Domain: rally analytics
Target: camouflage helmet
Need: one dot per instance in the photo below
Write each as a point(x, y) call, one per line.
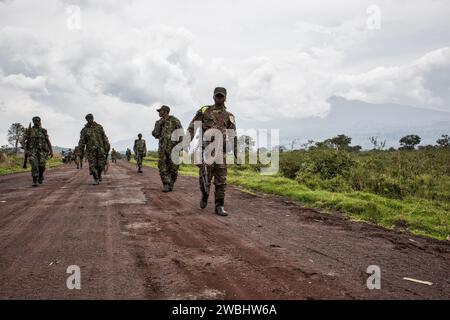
point(36, 118)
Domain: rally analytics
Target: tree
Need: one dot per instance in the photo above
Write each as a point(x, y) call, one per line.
point(15, 135)
point(444, 141)
point(377, 144)
point(340, 142)
point(409, 142)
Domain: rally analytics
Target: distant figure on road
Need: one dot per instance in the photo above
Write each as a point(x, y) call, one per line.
point(140, 151)
point(163, 130)
point(78, 159)
point(113, 156)
point(94, 143)
point(37, 149)
point(128, 154)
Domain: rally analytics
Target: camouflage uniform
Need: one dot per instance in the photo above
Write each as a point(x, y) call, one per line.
point(128, 154)
point(94, 140)
point(114, 156)
point(37, 143)
point(218, 118)
point(78, 159)
point(140, 150)
point(163, 131)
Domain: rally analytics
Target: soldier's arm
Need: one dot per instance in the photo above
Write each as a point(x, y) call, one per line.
point(49, 144)
point(105, 141)
point(232, 126)
point(145, 148)
point(157, 130)
point(191, 127)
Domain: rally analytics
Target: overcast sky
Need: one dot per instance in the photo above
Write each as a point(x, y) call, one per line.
point(277, 59)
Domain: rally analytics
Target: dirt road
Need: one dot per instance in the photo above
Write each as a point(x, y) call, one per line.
point(130, 241)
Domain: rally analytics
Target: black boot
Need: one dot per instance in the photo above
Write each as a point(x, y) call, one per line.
point(140, 169)
point(41, 175)
point(100, 176)
point(220, 210)
point(166, 188)
point(95, 176)
point(204, 200)
point(35, 182)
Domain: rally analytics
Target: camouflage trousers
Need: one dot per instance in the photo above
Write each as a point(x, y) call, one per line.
point(37, 161)
point(79, 161)
point(168, 170)
point(139, 159)
point(219, 172)
point(97, 161)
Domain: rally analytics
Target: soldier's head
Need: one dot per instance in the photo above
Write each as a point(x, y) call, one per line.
point(140, 135)
point(220, 96)
point(163, 111)
point(89, 118)
point(36, 121)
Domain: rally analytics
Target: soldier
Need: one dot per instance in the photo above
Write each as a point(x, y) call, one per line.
point(78, 159)
point(140, 151)
point(128, 154)
point(163, 130)
point(217, 117)
point(95, 144)
point(69, 156)
point(37, 149)
point(114, 156)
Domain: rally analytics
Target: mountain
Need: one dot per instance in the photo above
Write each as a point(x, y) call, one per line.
point(357, 119)
point(361, 120)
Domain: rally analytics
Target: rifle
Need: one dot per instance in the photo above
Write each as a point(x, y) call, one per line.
point(25, 158)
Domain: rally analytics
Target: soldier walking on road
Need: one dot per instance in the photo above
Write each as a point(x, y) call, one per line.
point(37, 149)
point(113, 156)
point(140, 151)
point(128, 154)
point(78, 159)
point(215, 117)
point(163, 130)
point(94, 143)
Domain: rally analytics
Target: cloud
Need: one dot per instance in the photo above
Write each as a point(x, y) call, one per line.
point(130, 57)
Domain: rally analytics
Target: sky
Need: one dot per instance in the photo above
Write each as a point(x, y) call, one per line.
point(121, 59)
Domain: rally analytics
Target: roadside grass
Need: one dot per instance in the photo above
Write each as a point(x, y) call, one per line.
point(418, 216)
point(13, 164)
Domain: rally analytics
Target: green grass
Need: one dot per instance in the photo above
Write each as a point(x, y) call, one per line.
point(13, 164)
point(420, 216)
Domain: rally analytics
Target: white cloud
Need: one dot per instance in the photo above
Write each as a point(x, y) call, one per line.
point(276, 60)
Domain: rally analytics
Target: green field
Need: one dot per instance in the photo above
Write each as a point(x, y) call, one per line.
point(13, 164)
point(404, 189)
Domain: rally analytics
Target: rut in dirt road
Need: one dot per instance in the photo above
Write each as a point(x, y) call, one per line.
point(133, 241)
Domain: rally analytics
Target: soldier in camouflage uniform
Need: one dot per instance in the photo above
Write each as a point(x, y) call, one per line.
point(95, 144)
point(128, 154)
point(163, 130)
point(37, 148)
point(140, 151)
point(113, 156)
point(78, 159)
point(69, 156)
point(217, 117)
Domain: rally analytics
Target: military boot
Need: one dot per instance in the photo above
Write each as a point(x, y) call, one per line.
point(35, 182)
point(220, 210)
point(204, 200)
point(166, 188)
point(95, 176)
point(100, 176)
point(140, 169)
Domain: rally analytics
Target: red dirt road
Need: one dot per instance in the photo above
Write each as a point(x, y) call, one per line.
point(133, 241)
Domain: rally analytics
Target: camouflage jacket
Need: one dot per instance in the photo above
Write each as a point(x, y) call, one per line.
point(139, 146)
point(93, 138)
point(163, 131)
point(217, 118)
point(35, 140)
